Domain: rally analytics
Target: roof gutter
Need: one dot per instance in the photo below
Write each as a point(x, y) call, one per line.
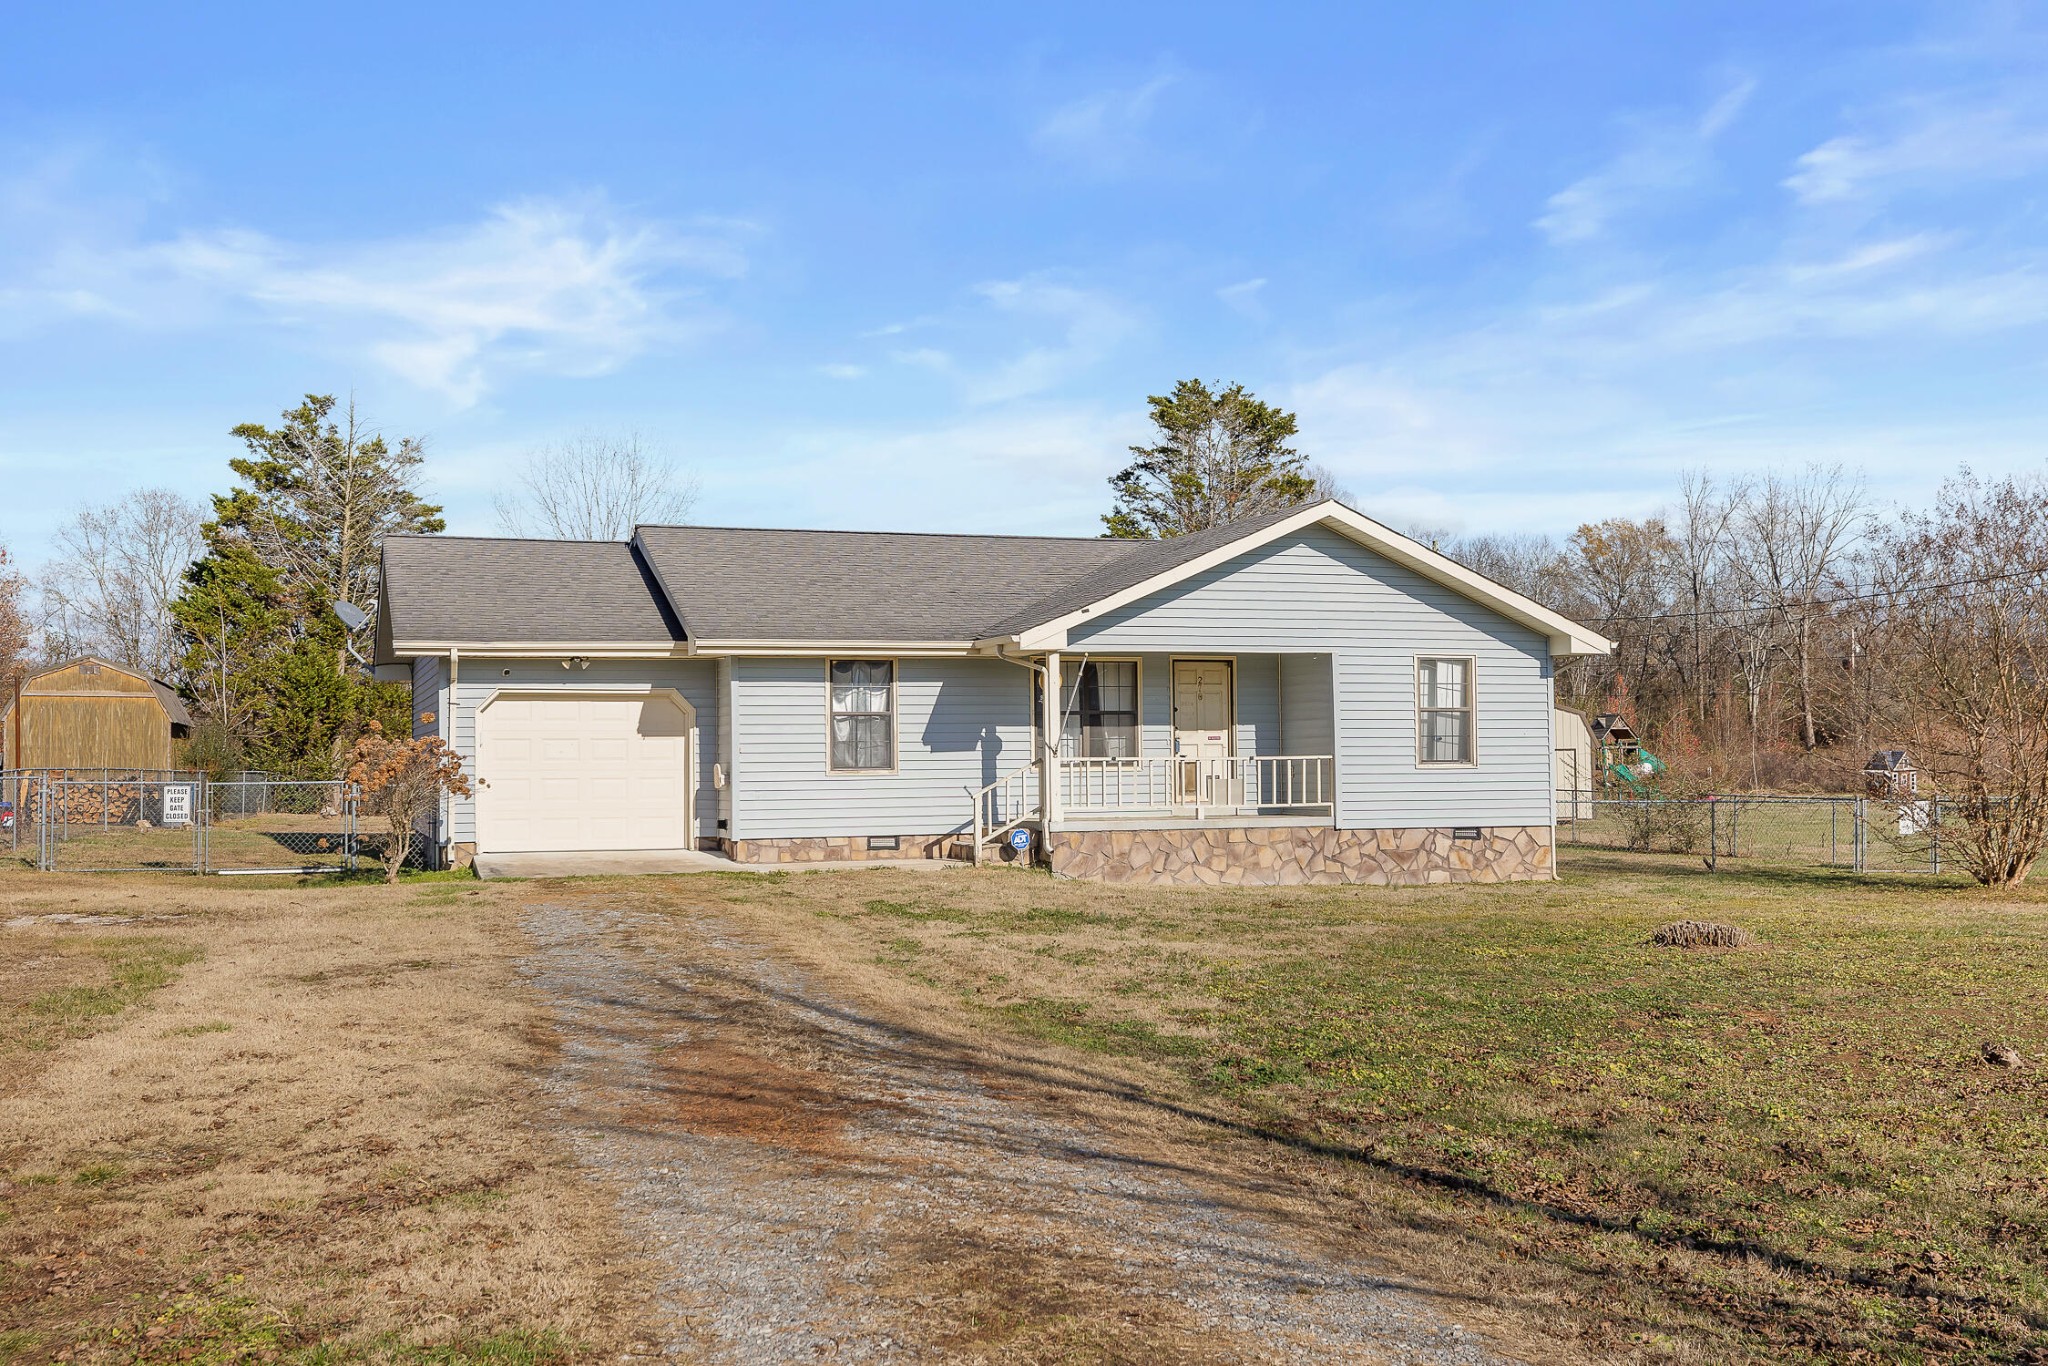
point(529, 649)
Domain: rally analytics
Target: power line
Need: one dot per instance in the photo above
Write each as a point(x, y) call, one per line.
point(1683, 613)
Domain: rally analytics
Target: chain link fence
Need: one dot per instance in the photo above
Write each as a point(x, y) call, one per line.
point(131, 821)
point(1853, 834)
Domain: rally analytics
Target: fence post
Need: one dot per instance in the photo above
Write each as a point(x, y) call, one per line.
point(1934, 831)
point(1713, 833)
point(1862, 840)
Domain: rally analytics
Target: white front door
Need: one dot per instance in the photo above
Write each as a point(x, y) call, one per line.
point(1204, 730)
point(584, 771)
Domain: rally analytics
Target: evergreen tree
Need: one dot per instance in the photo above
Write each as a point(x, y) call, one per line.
point(266, 655)
point(1220, 457)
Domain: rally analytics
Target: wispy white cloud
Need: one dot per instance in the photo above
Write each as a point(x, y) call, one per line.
point(842, 370)
point(1616, 387)
point(920, 473)
point(1244, 297)
point(1661, 156)
point(1863, 257)
point(1089, 324)
point(1107, 131)
point(536, 286)
point(1928, 142)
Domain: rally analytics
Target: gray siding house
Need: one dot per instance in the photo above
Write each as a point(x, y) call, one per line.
point(1304, 697)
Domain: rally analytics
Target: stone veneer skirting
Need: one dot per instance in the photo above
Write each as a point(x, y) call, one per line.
point(1287, 856)
point(846, 849)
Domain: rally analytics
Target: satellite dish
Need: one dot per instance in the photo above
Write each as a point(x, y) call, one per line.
point(352, 616)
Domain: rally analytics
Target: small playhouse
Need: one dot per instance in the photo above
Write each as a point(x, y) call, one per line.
point(1624, 763)
point(1891, 775)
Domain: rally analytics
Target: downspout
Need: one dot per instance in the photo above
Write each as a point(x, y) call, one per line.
point(446, 833)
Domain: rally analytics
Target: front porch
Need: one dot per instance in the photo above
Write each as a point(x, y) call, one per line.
point(1167, 792)
point(1171, 741)
point(1254, 820)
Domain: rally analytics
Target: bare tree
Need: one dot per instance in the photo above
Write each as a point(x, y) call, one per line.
point(1534, 566)
point(13, 621)
point(1702, 547)
point(596, 488)
point(117, 570)
point(1792, 538)
point(1624, 569)
point(1963, 638)
point(1326, 484)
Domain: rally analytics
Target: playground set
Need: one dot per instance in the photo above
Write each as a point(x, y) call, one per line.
point(1624, 763)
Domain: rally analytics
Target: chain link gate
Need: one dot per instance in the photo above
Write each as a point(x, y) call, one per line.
point(271, 825)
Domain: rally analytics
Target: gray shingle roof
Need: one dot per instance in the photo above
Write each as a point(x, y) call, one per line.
point(738, 583)
point(759, 584)
point(478, 588)
point(174, 705)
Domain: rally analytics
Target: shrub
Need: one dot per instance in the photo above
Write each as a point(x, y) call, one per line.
point(403, 780)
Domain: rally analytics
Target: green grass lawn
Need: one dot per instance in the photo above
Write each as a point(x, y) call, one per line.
point(1794, 1152)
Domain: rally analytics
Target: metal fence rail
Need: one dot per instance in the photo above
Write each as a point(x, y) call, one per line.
point(131, 821)
point(1855, 834)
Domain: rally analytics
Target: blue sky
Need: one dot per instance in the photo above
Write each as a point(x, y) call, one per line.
point(917, 267)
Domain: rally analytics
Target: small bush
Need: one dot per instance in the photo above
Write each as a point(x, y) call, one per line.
point(1664, 825)
point(1702, 934)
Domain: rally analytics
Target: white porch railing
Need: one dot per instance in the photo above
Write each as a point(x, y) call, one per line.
point(1296, 782)
point(1162, 785)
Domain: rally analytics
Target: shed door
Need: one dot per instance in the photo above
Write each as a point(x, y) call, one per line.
point(584, 772)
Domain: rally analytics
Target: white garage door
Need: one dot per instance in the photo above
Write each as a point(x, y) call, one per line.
point(583, 772)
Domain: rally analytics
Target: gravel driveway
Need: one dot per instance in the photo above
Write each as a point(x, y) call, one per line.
point(816, 1187)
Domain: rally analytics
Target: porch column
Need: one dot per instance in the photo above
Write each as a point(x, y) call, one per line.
point(1049, 727)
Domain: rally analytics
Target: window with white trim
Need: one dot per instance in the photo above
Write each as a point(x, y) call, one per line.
point(1443, 711)
point(1099, 710)
point(863, 734)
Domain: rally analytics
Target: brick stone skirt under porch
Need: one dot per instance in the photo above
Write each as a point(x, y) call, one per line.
point(846, 849)
point(1290, 855)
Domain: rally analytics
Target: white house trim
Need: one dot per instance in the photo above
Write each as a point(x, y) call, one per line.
point(1566, 637)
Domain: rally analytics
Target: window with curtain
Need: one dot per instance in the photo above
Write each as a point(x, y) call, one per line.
point(1100, 710)
point(1443, 711)
point(863, 714)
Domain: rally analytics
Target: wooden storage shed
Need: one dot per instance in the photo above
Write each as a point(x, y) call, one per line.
point(90, 714)
point(1571, 738)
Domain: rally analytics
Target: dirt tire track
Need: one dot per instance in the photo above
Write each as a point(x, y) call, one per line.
point(814, 1188)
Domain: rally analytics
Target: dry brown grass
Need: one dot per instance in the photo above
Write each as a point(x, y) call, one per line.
point(321, 1127)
